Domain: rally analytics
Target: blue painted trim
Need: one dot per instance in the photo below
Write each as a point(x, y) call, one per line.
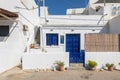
point(39, 9)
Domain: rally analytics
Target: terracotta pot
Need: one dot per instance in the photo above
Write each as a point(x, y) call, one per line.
point(110, 68)
point(61, 68)
point(32, 46)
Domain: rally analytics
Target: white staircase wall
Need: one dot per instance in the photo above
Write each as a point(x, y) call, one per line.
point(44, 60)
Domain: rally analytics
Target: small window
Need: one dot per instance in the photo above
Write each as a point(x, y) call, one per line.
point(51, 39)
point(114, 11)
point(4, 30)
point(62, 39)
point(119, 10)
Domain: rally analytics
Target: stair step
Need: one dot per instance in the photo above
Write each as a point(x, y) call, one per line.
point(76, 66)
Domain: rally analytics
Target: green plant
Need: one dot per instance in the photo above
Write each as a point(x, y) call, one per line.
point(109, 65)
point(92, 64)
point(60, 63)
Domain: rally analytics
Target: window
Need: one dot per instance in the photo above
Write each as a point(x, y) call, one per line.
point(114, 10)
point(62, 39)
point(51, 39)
point(119, 10)
point(4, 30)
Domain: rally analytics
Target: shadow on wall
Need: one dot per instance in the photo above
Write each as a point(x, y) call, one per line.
point(105, 29)
point(37, 35)
point(2, 39)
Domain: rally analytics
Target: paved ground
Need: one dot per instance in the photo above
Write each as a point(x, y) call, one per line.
point(18, 74)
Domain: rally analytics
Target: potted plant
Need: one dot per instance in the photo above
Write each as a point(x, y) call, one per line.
point(92, 65)
point(110, 66)
point(32, 45)
point(60, 65)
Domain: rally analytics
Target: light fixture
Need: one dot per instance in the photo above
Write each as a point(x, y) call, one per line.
point(93, 30)
point(72, 30)
point(51, 29)
point(46, 20)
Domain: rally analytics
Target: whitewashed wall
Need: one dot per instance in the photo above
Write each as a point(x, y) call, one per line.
point(43, 60)
point(9, 59)
point(103, 57)
point(73, 20)
point(11, 5)
point(62, 47)
point(12, 47)
point(115, 25)
point(11, 51)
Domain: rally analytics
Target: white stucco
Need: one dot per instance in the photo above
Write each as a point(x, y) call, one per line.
point(11, 50)
point(11, 5)
point(44, 60)
point(102, 58)
point(13, 46)
point(62, 47)
point(74, 20)
point(115, 25)
point(92, 1)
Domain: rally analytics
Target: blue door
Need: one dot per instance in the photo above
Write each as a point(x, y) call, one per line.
point(73, 47)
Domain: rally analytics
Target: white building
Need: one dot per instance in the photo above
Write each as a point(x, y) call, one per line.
point(56, 37)
point(14, 16)
point(63, 35)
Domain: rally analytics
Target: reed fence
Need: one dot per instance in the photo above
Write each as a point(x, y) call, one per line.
point(102, 43)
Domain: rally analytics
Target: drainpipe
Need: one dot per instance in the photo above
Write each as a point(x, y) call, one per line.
point(104, 3)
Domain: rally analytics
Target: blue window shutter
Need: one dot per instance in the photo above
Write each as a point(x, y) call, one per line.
point(51, 39)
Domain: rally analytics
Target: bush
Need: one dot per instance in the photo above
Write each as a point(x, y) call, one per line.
point(109, 65)
point(60, 63)
point(92, 64)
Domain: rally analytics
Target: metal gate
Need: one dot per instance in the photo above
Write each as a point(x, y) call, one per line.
point(73, 47)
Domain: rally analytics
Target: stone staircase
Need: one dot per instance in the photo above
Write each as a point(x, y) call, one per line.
point(76, 66)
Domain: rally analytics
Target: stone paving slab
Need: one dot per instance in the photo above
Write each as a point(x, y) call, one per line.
point(18, 74)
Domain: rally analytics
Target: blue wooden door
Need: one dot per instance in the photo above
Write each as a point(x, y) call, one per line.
point(73, 47)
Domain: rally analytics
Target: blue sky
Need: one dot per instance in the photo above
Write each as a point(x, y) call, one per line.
point(58, 7)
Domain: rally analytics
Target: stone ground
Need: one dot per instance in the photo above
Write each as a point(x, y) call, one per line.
point(18, 74)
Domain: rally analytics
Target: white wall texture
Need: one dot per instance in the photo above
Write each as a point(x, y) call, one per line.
point(73, 20)
point(62, 47)
point(103, 57)
point(115, 25)
point(12, 47)
point(11, 5)
point(44, 60)
point(9, 59)
point(11, 51)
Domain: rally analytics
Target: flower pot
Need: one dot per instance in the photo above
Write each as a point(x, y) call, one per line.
point(61, 68)
point(92, 68)
point(32, 46)
point(110, 68)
